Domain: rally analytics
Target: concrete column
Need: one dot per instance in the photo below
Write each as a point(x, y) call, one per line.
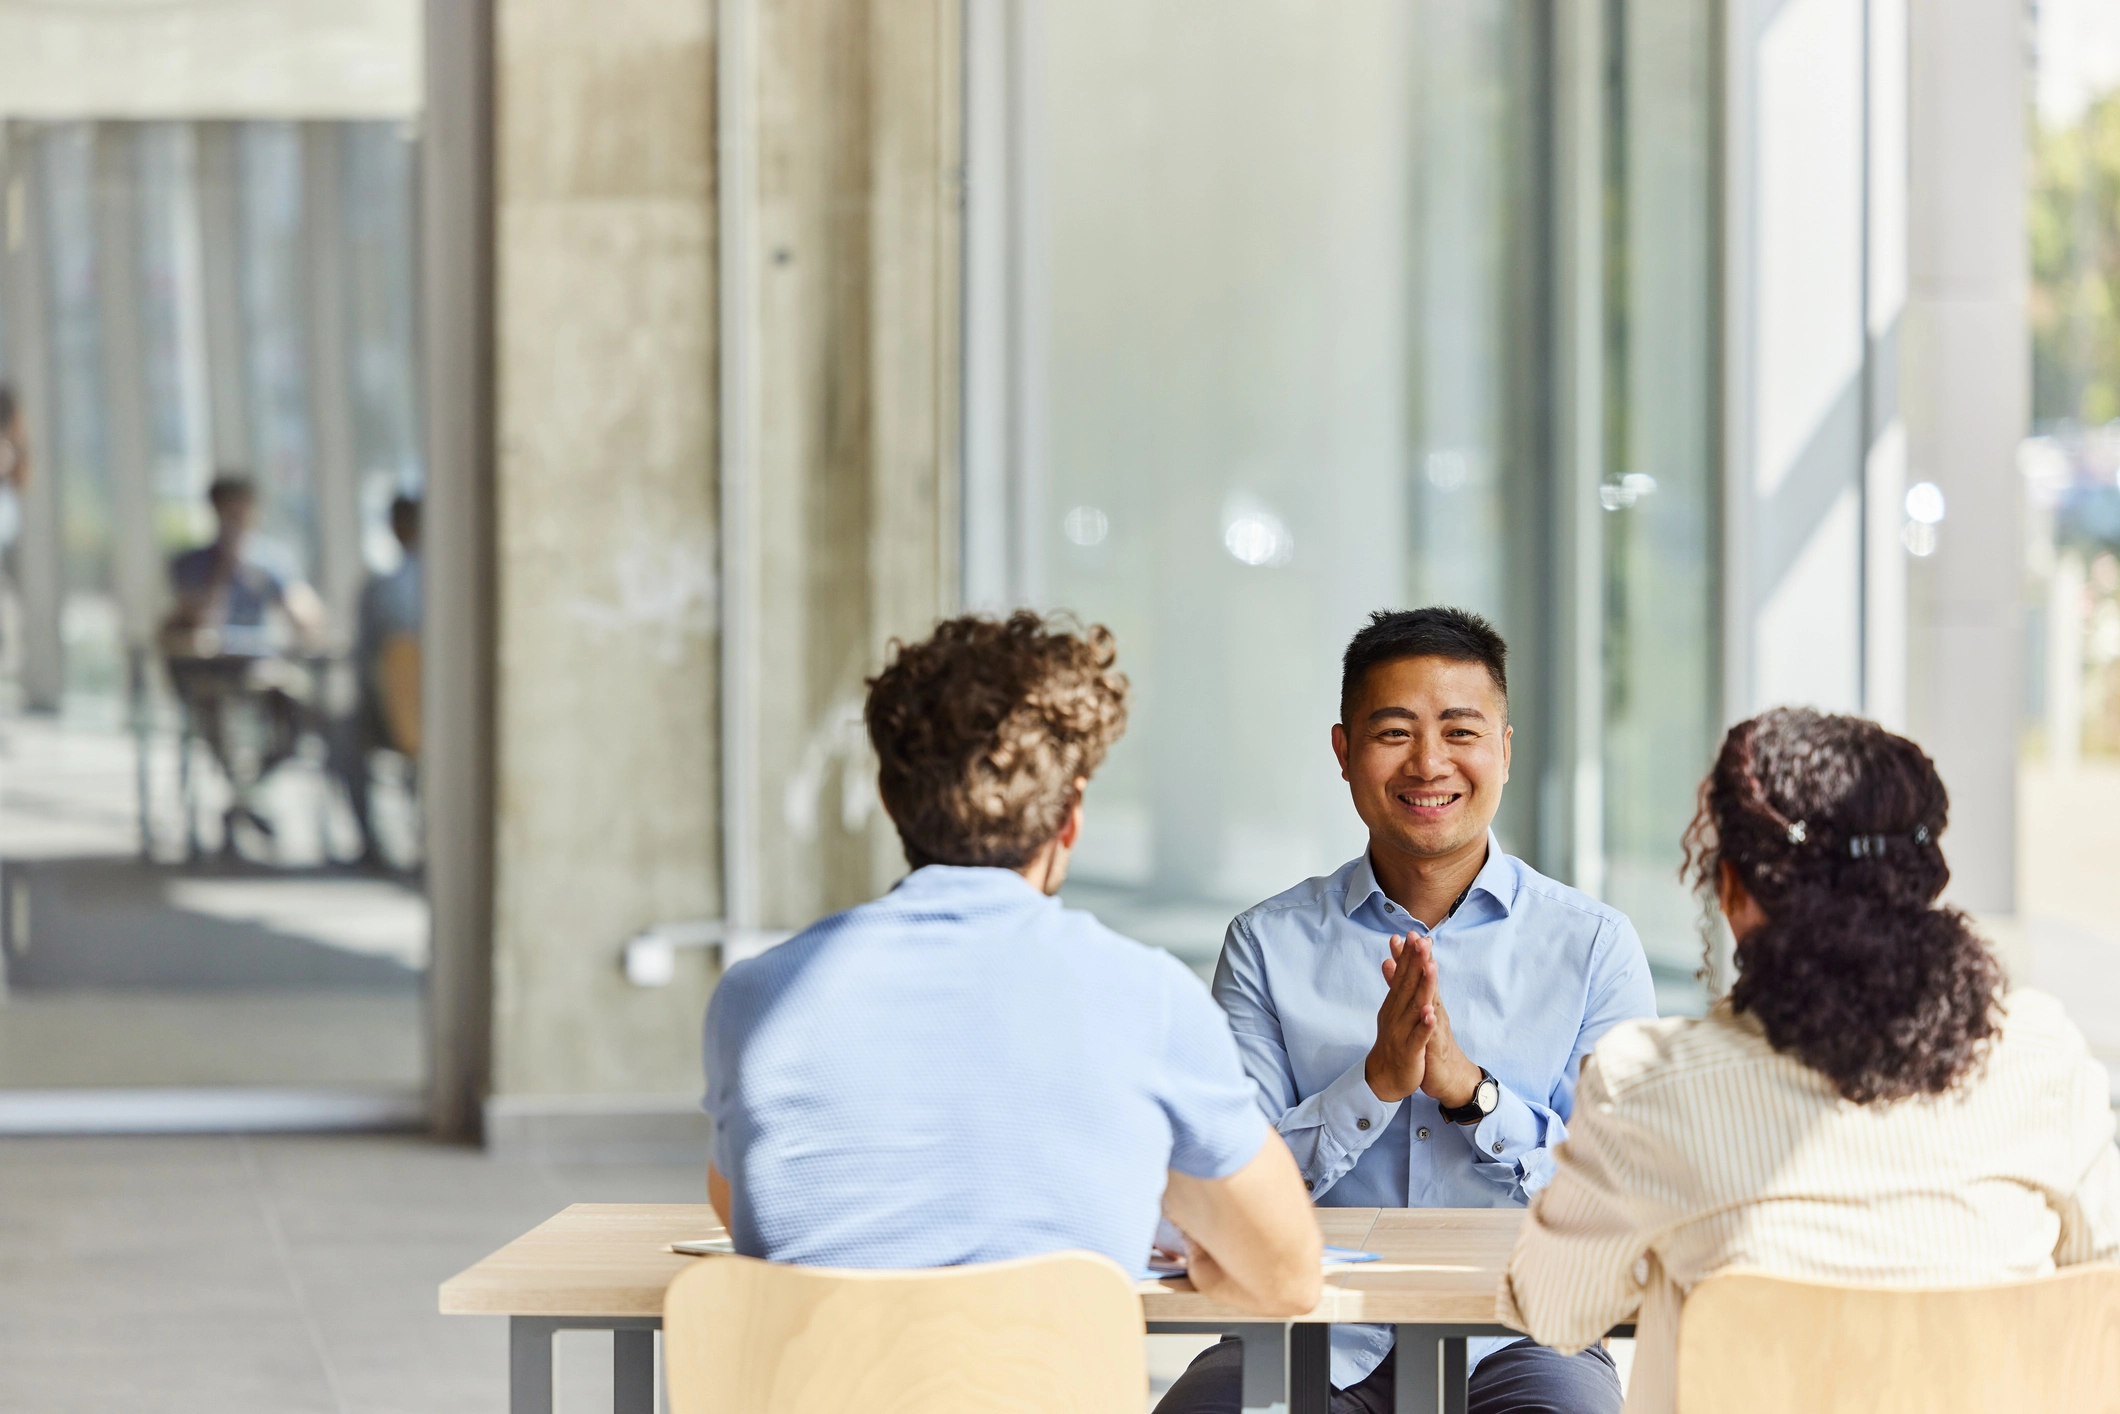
point(457, 639)
point(38, 559)
point(1884, 671)
point(606, 683)
point(1572, 799)
point(1965, 386)
point(1795, 355)
point(137, 568)
point(220, 258)
point(857, 220)
point(330, 383)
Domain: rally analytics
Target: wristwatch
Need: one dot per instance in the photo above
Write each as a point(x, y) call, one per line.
point(1485, 1096)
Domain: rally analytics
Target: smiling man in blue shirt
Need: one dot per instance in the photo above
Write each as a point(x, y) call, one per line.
point(1415, 1021)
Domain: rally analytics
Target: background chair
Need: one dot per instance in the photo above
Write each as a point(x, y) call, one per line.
point(1058, 1334)
point(1750, 1344)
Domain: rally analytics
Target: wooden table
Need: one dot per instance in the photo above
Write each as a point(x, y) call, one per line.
point(602, 1266)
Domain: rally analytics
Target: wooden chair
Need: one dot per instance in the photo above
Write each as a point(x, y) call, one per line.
point(1058, 1334)
point(397, 671)
point(1751, 1344)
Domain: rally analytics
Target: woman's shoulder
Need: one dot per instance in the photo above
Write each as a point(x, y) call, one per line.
point(2034, 1023)
point(1640, 1053)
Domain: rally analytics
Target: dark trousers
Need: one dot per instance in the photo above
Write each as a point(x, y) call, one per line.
point(1524, 1378)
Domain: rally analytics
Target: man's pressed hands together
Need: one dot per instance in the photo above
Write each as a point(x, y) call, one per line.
point(1415, 1049)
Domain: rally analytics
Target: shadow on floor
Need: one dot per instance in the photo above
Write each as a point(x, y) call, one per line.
point(118, 924)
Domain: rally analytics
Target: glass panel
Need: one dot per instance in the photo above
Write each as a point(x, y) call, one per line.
point(1660, 487)
point(1293, 373)
point(2068, 785)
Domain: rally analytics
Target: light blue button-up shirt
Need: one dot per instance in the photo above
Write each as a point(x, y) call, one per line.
point(1532, 973)
point(961, 1071)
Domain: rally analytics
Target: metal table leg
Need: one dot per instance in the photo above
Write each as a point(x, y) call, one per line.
point(632, 1360)
point(633, 1372)
point(1266, 1364)
point(1433, 1369)
point(530, 1364)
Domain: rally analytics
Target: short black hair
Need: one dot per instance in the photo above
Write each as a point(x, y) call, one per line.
point(231, 486)
point(1435, 632)
point(405, 517)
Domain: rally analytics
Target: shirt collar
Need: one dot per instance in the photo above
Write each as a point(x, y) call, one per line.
point(931, 879)
point(1497, 879)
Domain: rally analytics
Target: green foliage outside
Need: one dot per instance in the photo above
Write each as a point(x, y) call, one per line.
point(2075, 297)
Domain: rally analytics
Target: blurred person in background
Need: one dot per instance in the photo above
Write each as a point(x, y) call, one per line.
point(1414, 1021)
point(223, 643)
point(1867, 1106)
point(14, 475)
point(386, 642)
point(14, 467)
point(964, 1070)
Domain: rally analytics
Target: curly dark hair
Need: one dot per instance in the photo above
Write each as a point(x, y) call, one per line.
point(1832, 824)
point(982, 729)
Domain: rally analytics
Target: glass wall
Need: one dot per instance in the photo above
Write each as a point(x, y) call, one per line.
point(188, 897)
point(2069, 775)
point(1658, 497)
point(1287, 282)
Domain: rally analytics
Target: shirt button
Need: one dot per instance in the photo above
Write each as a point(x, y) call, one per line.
point(1497, 1146)
point(1309, 1186)
point(1361, 1124)
point(1422, 1131)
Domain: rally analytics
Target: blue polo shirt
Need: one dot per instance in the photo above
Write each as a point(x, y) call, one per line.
point(965, 1071)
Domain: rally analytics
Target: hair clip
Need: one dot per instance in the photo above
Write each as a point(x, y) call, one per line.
point(1798, 833)
point(1865, 846)
point(1921, 834)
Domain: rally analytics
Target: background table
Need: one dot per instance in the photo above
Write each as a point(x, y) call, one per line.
point(602, 1266)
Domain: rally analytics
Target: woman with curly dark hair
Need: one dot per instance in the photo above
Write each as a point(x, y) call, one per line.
point(1868, 1105)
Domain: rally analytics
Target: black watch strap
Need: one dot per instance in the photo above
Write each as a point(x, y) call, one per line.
point(1472, 1111)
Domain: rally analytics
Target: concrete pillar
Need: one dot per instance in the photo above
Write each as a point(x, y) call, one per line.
point(333, 473)
point(604, 726)
point(220, 259)
point(138, 572)
point(1965, 391)
point(1795, 355)
point(457, 667)
point(857, 280)
point(38, 559)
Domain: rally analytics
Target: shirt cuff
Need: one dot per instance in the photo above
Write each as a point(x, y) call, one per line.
point(1511, 1134)
point(1351, 1114)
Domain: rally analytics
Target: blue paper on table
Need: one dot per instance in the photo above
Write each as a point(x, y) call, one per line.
point(1162, 1265)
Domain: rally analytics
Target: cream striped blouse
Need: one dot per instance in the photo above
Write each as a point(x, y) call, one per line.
point(1695, 1146)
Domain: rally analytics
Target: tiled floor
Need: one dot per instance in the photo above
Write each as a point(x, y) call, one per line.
point(285, 1275)
point(281, 1275)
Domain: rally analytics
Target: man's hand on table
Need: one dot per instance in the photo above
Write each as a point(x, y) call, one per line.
point(1415, 1048)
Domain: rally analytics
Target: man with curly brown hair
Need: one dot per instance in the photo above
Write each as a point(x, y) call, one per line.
point(965, 1071)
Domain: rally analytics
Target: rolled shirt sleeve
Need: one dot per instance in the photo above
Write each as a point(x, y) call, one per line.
point(1515, 1144)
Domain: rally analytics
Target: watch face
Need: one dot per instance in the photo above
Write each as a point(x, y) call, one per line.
point(1488, 1095)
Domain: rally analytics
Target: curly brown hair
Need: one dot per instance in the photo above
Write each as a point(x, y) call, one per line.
point(1832, 823)
point(982, 730)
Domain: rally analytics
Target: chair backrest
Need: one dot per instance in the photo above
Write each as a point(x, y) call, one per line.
point(1057, 1334)
point(397, 671)
point(1753, 1344)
